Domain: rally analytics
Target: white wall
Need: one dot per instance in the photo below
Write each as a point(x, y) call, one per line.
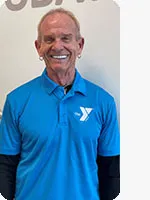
point(99, 21)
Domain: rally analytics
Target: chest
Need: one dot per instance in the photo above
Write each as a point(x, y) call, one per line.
point(51, 119)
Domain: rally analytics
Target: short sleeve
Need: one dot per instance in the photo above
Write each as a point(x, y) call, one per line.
point(10, 139)
point(109, 140)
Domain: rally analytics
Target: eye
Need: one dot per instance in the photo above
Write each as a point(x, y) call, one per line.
point(48, 39)
point(66, 39)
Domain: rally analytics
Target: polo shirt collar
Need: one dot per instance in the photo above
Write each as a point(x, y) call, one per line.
point(48, 84)
point(78, 84)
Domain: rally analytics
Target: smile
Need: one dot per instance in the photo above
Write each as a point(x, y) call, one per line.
point(59, 56)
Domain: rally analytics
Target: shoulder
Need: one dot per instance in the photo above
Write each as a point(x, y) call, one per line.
point(20, 95)
point(24, 89)
point(98, 92)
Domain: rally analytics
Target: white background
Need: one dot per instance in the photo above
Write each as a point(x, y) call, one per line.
point(135, 99)
point(100, 59)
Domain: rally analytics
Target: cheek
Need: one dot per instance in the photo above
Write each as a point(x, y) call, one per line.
point(44, 49)
point(73, 54)
point(74, 50)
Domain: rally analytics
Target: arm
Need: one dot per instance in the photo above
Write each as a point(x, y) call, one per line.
point(8, 166)
point(109, 155)
point(10, 142)
point(109, 177)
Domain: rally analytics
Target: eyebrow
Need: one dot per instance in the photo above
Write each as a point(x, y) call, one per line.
point(68, 35)
point(62, 34)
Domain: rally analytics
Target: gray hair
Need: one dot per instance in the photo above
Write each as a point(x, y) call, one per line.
point(63, 11)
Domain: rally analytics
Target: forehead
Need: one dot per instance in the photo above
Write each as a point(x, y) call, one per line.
point(58, 22)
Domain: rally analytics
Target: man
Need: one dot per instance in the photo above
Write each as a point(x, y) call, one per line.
point(59, 137)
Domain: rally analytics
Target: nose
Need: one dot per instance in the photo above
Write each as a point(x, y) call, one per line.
point(57, 45)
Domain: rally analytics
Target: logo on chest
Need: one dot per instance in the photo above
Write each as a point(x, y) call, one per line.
point(84, 114)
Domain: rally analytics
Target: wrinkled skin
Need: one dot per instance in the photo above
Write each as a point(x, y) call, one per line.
point(59, 47)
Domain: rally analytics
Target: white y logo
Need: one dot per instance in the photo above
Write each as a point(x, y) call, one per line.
point(85, 112)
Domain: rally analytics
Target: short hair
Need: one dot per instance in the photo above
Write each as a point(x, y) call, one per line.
point(63, 11)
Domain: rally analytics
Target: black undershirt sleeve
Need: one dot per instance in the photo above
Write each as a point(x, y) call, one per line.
point(8, 167)
point(109, 177)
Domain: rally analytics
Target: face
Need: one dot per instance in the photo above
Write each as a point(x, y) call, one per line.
point(59, 45)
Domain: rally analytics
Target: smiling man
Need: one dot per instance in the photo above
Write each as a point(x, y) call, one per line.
point(59, 136)
point(59, 44)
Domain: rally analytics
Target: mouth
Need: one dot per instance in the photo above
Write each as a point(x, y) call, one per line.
point(59, 57)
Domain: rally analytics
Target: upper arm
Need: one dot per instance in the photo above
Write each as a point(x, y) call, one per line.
point(10, 138)
point(109, 140)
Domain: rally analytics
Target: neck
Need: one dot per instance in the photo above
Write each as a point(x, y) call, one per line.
point(60, 77)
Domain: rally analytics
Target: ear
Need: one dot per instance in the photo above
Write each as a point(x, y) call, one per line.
point(80, 45)
point(38, 46)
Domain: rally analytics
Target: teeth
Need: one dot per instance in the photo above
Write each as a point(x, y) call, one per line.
point(60, 57)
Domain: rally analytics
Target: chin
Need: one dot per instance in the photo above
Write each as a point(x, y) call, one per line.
point(58, 68)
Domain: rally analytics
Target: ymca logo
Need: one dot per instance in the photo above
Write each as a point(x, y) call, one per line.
point(85, 113)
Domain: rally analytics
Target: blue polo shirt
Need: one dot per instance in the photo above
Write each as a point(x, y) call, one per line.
point(59, 137)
